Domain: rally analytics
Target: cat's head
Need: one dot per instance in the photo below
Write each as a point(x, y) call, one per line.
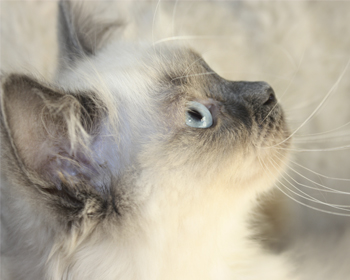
point(125, 118)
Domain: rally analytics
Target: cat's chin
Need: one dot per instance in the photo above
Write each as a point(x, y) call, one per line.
point(233, 177)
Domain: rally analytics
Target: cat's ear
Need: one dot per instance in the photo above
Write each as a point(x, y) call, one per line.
point(52, 134)
point(80, 32)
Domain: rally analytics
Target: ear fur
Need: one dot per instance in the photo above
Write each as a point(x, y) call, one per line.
point(80, 33)
point(51, 132)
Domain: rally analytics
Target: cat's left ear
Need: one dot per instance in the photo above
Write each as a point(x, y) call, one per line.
point(80, 32)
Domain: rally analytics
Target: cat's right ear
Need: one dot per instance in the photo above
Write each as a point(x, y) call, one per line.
point(80, 32)
point(53, 135)
point(55, 145)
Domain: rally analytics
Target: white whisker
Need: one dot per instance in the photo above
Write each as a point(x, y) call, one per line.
point(307, 196)
point(319, 174)
point(173, 18)
point(326, 189)
point(189, 67)
point(326, 132)
point(339, 148)
point(305, 104)
point(286, 89)
point(320, 105)
point(195, 75)
point(312, 207)
point(321, 139)
point(193, 37)
point(154, 20)
point(301, 203)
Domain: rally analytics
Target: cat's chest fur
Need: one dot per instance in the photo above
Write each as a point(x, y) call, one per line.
point(168, 242)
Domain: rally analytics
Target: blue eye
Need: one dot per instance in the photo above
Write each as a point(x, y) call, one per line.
point(198, 115)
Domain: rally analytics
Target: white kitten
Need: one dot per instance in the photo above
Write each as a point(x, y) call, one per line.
point(135, 160)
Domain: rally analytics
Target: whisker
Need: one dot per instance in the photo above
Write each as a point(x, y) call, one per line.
point(294, 75)
point(154, 20)
point(319, 174)
point(194, 75)
point(173, 17)
point(327, 189)
point(290, 57)
point(299, 202)
point(307, 196)
point(329, 131)
point(286, 89)
point(193, 37)
point(189, 67)
point(296, 107)
point(320, 105)
point(339, 148)
point(311, 207)
point(321, 139)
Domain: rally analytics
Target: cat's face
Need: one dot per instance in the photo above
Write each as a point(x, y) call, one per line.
point(153, 90)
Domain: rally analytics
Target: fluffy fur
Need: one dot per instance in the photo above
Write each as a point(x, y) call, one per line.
point(101, 177)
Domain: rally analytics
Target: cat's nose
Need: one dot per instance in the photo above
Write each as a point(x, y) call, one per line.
point(260, 94)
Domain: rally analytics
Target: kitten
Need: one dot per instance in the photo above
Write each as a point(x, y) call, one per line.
point(104, 136)
point(138, 162)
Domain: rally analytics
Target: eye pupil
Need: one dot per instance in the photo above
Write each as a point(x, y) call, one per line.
point(195, 115)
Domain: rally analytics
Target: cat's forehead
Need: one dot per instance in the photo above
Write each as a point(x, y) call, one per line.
point(185, 69)
point(183, 65)
point(149, 68)
point(178, 63)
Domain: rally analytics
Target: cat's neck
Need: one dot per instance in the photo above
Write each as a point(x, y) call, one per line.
point(194, 237)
